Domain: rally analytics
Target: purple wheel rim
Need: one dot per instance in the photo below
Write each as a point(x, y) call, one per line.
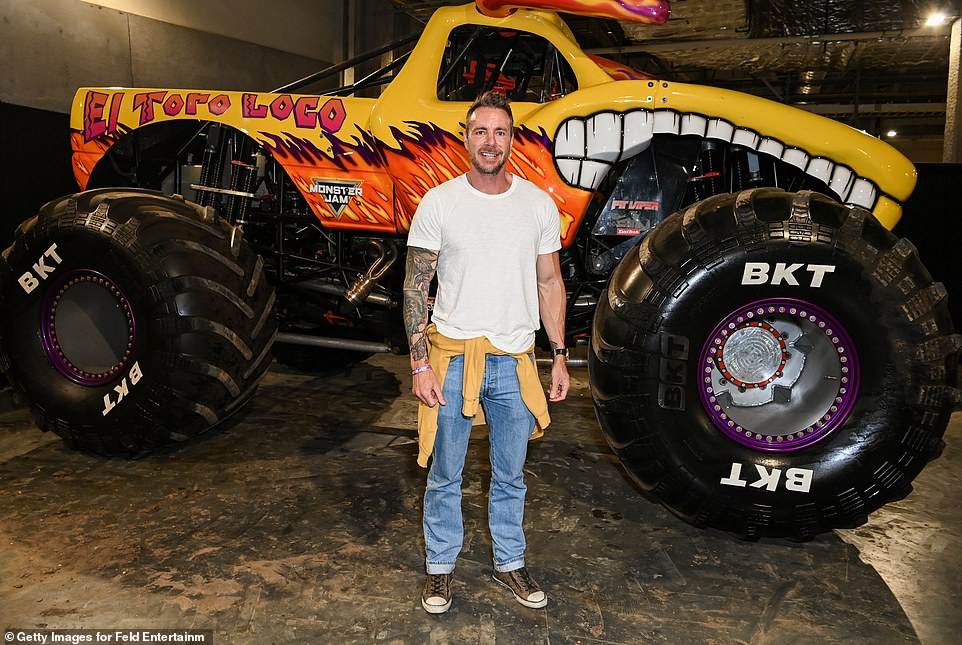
point(778, 375)
point(69, 351)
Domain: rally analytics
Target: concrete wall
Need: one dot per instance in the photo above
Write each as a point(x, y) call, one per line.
point(48, 48)
point(309, 28)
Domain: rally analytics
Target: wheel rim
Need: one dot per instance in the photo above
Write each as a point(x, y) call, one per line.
point(88, 328)
point(778, 375)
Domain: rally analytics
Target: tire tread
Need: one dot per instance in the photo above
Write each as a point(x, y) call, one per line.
point(624, 355)
point(229, 302)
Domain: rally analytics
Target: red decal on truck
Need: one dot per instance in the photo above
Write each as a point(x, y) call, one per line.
point(331, 115)
point(95, 124)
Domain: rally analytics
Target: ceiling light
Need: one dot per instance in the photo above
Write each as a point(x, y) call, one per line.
point(891, 133)
point(935, 19)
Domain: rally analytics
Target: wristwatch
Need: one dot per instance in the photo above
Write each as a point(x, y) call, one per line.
point(561, 351)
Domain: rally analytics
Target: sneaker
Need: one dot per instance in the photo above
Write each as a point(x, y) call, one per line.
point(525, 590)
point(436, 596)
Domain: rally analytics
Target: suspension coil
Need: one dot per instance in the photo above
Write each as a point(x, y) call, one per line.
point(243, 177)
point(212, 168)
point(708, 180)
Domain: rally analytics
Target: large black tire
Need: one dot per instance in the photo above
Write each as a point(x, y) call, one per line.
point(766, 400)
point(132, 320)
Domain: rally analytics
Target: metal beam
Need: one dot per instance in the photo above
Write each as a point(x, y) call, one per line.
point(880, 109)
point(718, 43)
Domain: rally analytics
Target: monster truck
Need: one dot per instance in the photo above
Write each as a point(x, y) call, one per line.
point(768, 360)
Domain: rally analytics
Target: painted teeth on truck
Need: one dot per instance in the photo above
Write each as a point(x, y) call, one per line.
point(587, 148)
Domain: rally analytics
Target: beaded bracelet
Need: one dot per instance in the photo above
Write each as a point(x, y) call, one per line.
point(423, 368)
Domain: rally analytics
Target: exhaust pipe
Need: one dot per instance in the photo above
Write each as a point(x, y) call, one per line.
point(317, 286)
point(364, 285)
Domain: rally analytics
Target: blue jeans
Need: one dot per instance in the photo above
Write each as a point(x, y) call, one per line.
point(510, 425)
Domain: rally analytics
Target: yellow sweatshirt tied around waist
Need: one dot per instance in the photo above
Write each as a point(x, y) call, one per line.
point(441, 350)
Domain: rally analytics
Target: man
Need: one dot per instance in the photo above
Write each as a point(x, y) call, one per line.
point(493, 240)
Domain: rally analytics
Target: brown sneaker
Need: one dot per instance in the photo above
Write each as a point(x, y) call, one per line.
point(436, 596)
point(525, 590)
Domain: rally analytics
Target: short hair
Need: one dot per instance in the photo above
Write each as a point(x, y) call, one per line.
point(492, 99)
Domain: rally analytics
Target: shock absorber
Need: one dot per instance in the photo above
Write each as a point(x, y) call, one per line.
point(746, 169)
point(707, 179)
point(243, 177)
point(212, 169)
point(243, 180)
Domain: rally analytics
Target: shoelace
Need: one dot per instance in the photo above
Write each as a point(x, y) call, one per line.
point(438, 585)
point(524, 580)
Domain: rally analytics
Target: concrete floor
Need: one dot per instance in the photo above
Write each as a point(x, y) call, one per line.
point(299, 522)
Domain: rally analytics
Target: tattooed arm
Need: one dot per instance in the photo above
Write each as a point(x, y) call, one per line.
point(421, 266)
point(420, 269)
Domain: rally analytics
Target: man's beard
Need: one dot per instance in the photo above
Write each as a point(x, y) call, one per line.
point(476, 162)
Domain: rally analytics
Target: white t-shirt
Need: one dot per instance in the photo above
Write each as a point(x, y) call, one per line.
point(487, 249)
